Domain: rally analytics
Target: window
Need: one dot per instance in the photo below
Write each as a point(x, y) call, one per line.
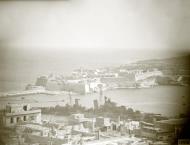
point(12, 120)
point(24, 118)
point(25, 108)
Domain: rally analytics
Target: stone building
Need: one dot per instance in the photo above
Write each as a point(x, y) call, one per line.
point(15, 114)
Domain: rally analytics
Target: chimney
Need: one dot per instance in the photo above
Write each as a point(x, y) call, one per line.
point(95, 104)
point(77, 102)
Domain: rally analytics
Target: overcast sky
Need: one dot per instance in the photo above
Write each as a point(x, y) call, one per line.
point(94, 25)
point(38, 37)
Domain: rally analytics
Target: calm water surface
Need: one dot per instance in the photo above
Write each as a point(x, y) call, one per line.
point(166, 100)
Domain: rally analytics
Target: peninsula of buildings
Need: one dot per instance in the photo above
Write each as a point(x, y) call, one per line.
point(141, 74)
point(137, 75)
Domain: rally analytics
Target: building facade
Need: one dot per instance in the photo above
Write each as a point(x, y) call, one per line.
point(15, 114)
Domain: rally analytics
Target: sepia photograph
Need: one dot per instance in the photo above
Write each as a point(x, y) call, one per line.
point(94, 72)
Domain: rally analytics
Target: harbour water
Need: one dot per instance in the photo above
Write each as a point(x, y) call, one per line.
point(165, 100)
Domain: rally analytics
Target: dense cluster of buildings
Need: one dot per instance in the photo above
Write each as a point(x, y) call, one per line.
point(81, 130)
